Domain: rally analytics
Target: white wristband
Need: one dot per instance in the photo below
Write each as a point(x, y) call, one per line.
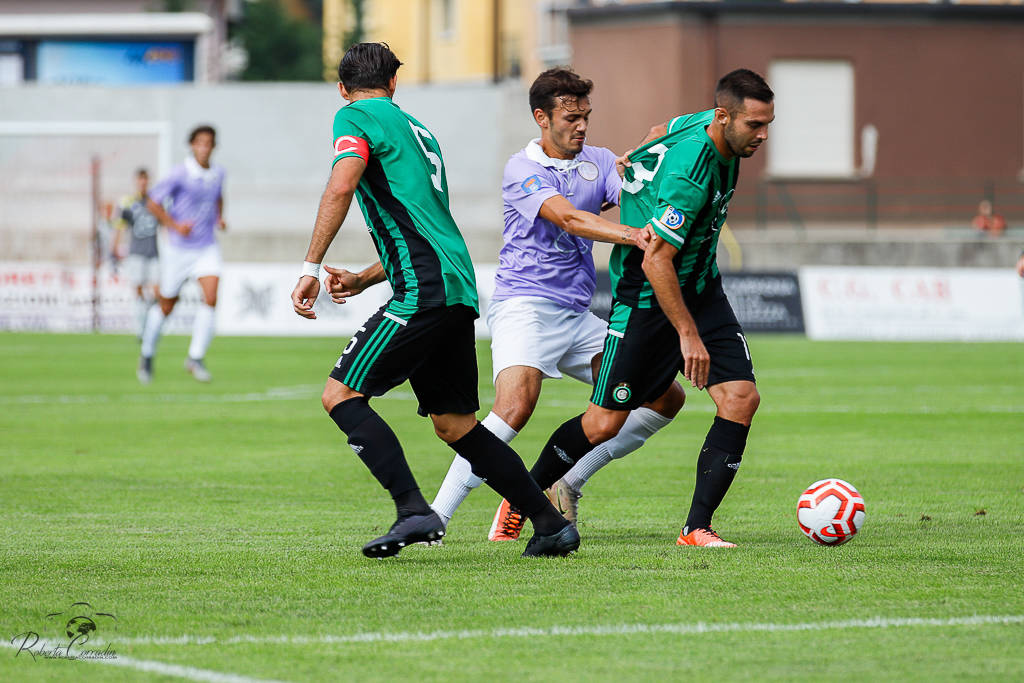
point(311, 269)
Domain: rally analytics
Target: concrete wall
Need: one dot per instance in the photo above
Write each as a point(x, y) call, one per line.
point(275, 142)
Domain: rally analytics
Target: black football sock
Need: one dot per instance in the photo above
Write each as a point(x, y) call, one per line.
point(567, 445)
point(719, 459)
point(495, 462)
point(377, 446)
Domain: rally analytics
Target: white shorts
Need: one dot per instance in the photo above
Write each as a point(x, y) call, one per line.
point(538, 333)
point(140, 271)
point(178, 265)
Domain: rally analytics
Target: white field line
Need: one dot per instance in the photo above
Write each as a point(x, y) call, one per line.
point(309, 392)
point(190, 673)
point(609, 630)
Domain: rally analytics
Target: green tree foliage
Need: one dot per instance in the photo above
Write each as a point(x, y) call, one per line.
point(280, 47)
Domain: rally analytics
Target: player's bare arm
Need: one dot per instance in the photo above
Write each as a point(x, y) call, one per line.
point(165, 219)
point(661, 273)
point(334, 205)
point(221, 224)
point(593, 227)
point(343, 284)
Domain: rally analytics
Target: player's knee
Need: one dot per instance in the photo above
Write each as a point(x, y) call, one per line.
point(741, 402)
point(335, 393)
point(603, 426)
point(517, 414)
point(450, 428)
point(671, 402)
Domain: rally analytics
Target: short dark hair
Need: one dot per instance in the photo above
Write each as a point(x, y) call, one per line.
point(199, 130)
point(140, 172)
point(368, 66)
point(738, 85)
point(554, 83)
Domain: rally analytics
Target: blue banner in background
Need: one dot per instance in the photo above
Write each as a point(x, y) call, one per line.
point(113, 63)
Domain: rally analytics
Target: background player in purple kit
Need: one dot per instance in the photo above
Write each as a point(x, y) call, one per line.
point(194, 189)
point(539, 319)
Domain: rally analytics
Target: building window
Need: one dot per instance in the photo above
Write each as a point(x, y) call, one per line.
point(813, 134)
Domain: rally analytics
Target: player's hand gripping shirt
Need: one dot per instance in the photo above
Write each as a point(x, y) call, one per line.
point(681, 186)
point(538, 257)
point(403, 194)
point(194, 192)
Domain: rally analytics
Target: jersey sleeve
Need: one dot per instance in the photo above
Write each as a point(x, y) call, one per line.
point(525, 188)
point(681, 194)
point(350, 136)
point(168, 187)
point(612, 181)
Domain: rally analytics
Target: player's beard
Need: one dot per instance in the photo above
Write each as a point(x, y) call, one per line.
point(736, 143)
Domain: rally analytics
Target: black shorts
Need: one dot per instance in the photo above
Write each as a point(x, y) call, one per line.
point(435, 349)
point(642, 356)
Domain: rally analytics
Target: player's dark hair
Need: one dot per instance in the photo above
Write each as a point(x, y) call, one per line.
point(368, 66)
point(199, 130)
point(141, 172)
point(554, 83)
point(738, 85)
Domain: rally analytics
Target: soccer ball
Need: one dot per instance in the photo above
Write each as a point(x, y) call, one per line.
point(830, 512)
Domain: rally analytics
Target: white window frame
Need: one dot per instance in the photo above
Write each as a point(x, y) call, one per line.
point(814, 133)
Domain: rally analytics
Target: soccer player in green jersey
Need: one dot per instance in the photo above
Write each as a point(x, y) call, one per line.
point(669, 312)
point(425, 333)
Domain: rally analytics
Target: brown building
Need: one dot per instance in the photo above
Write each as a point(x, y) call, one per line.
point(885, 113)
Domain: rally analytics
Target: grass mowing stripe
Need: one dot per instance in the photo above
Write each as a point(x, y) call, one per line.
point(608, 630)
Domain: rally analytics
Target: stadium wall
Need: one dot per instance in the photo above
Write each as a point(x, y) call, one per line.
point(941, 85)
point(274, 140)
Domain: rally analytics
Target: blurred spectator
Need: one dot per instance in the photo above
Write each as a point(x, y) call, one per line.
point(1020, 265)
point(988, 221)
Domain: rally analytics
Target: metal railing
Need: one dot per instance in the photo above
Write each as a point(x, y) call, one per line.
point(874, 202)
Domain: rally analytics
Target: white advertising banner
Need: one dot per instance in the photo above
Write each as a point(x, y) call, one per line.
point(253, 299)
point(912, 304)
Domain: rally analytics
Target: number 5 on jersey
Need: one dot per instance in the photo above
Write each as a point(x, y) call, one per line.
point(422, 134)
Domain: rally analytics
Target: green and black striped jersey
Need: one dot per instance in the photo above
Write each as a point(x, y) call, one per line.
point(403, 195)
point(680, 185)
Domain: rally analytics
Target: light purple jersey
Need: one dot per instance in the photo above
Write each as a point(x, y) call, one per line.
point(538, 257)
point(193, 191)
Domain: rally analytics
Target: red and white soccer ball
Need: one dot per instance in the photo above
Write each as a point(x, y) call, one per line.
point(830, 511)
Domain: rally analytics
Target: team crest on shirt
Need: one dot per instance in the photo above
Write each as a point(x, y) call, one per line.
point(671, 218)
point(621, 392)
point(531, 184)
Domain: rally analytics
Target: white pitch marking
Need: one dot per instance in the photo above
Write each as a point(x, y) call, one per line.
point(610, 630)
point(188, 672)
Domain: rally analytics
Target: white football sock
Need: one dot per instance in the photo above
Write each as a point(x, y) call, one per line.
point(460, 479)
point(495, 425)
point(202, 332)
point(640, 425)
point(142, 305)
point(151, 331)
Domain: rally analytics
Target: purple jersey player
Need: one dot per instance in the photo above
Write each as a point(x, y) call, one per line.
point(193, 193)
point(539, 317)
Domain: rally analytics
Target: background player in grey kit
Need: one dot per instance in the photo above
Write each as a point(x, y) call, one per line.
point(141, 266)
point(425, 332)
point(670, 313)
point(539, 319)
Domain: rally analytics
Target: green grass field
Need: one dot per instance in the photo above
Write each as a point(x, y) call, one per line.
point(221, 525)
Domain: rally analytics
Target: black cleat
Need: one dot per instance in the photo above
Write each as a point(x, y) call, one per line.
point(556, 545)
point(406, 531)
